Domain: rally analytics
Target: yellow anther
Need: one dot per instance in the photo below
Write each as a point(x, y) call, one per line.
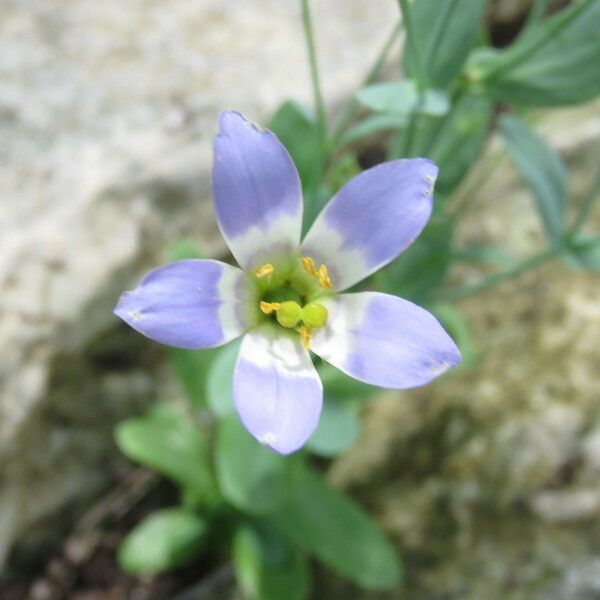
point(269, 307)
point(321, 274)
point(324, 279)
point(309, 266)
point(305, 333)
point(264, 270)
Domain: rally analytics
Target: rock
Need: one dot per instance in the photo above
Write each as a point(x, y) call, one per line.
point(107, 112)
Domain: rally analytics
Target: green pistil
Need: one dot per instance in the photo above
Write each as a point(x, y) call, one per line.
point(289, 314)
point(314, 315)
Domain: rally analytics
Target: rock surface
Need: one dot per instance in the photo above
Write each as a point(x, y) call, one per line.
point(107, 110)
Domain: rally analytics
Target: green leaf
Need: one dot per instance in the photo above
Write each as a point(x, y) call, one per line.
point(169, 443)
point(583, 252)
point(298, 131)
point(164, 540)
point(543, 171)
point(420, 269)
point(344, 168)
point(337, 430)
point(296, 128)
point(252, 478)
point(553, 63)
point(338, 532)
point(403, 98)
point(219, 383)
point(267, 566)
point(191, 368)
point(341, 386)
point(374, 124)
point(183, 249)
point(445, 32)
point(456, 143)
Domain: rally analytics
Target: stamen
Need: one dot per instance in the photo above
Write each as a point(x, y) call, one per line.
point(324, 279)
point(309, 266)
point(322, 274)
point(305, 333)
point(269, 307)
point(264, 270)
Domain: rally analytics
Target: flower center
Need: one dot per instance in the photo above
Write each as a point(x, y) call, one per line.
point(288, 295)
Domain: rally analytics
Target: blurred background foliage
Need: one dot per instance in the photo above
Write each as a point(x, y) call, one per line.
point(249, 522)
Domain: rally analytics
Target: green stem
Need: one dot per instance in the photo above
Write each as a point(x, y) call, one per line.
point(411, 40)
point(411, 130)
point(314, 70)
point(460, 292)
point(437, 34)
point(350, 108)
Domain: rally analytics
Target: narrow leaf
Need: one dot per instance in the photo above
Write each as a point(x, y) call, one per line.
point(403, 98)
point(169, 443)
point(554, 63)
point(338, 532)
point(445, 32)
point(251, 477)
point(337, 430)
point(267, 566)
point(543, 171)
point(219, 383)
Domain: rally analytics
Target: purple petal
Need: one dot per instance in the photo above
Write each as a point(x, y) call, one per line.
point(372, 219)
point(188, 304)
point(276, 389)
point(384, 340)
point(256, 191)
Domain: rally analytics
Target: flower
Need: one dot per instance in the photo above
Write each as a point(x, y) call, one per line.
point(288, 295)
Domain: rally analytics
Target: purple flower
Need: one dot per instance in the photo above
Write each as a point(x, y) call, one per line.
point(287, 297)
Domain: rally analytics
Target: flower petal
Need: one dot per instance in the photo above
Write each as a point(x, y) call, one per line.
point(276, 389)
point(188, 304)
point(384, 340)
point(256, 191)
point(372, 219)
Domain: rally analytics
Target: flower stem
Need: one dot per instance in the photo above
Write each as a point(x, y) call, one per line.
point(447, 8)
point(460, 292)
point(350, 108)
point(314, 70)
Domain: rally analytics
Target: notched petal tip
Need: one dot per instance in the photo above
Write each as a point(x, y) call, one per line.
point(126, 310)
point(270, 442)
point(230, 119)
